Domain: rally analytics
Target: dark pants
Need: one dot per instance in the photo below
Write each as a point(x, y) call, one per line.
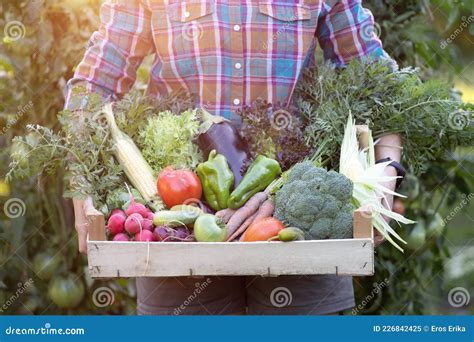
point(284, 295)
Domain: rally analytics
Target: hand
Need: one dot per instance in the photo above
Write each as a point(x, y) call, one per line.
point(388, 146)
point(81, 223)
point(388, 204)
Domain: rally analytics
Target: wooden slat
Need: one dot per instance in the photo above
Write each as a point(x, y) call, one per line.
point(96, 220)
point(362, 226)
point(129, 259)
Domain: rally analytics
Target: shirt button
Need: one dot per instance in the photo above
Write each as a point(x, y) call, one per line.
point(236, 28)
point(236, 102)
point(187, 14)
point(238, 65)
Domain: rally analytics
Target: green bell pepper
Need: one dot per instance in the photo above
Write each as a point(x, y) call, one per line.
point(259, 175)
point(216, 179)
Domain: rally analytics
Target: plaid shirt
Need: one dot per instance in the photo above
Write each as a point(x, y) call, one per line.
point(227, 52)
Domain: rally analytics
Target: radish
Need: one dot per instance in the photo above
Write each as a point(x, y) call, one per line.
point(137, 208)
point(147, 224)
point(116, 223)
point(149, 215)
point(144, 236)
point(134, 223)
point(121, 237)
point(118, 211)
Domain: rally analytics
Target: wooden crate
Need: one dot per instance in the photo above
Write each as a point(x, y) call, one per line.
point(112, 259)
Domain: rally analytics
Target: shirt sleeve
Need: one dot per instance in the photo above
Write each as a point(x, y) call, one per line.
point(347, 30)
point(114, 53)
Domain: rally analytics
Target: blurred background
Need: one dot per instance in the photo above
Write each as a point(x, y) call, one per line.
point(42, 42)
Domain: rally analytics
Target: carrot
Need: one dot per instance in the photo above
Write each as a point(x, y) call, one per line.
point(243, 227)
point(265, 210)
point(225, 214)
point(245, 212)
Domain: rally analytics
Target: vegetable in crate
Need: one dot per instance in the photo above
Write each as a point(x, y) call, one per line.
point(237, 221)
point(121, 237)
point(368, 177)
point(116, 222)
point(259, 175)
point(120, 198)
point(86, 154)
point(275, 131)
point(144, 236)
point(167, 140)
point(134, 223)
point(130, 158)
point(217, 180)
point(177, 216)
point(262, 230)
point(317, 201)
point(168, 234)
point(290, 234)
point(218, 134)
point(179, 187)
point(209, 228)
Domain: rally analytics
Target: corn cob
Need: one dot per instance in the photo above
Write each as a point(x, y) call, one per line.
point(130, 158)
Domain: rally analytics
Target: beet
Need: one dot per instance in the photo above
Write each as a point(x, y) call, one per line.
point(181, 232)
point(223, 137)
point(162, 232)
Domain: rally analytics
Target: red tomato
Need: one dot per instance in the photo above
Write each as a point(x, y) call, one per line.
point(178, 186)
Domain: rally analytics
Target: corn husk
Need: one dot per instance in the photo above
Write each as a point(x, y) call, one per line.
point(368, 178)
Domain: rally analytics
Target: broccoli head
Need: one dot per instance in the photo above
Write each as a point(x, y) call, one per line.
point(317, 201)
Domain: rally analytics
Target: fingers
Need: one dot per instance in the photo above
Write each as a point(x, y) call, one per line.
point(378, 238)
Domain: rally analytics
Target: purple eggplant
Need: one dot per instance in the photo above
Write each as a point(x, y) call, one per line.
point(221, 135)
